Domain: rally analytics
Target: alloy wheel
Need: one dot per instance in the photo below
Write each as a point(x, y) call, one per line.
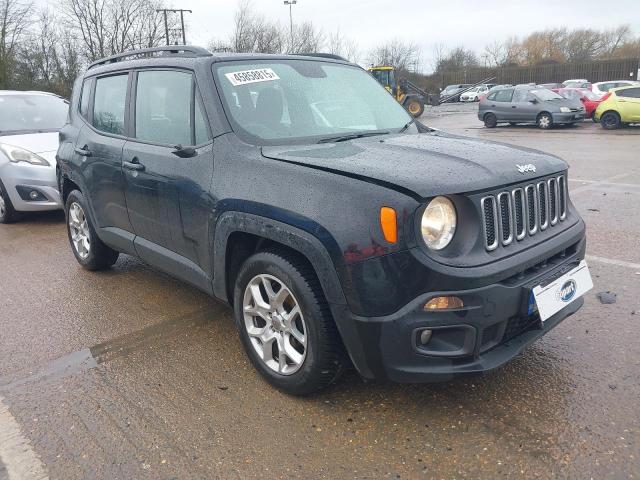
point(544, 121)
point(79, 229)
point(275, 324)
point(3, 206)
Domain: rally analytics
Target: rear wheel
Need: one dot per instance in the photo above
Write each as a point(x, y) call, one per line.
point(7, 213)
point(88, 249)
point(544, 121)
point(490, 120)
point(610, 121)
point(415, 108)
point(285, 323)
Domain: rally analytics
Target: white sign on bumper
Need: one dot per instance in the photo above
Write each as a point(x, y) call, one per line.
point(552, 298)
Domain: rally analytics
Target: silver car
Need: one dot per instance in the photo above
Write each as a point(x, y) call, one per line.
point(29, 125)
point(529, 105)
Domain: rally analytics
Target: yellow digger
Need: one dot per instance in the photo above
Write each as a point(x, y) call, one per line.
point(411, 97)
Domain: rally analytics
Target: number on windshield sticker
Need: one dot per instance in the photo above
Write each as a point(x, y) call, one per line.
point(252, 76)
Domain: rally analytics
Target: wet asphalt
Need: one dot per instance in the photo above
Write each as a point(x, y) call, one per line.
point(130, 374)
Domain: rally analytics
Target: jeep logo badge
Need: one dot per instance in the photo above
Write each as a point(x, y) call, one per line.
point(567, 291)
point(529, 167)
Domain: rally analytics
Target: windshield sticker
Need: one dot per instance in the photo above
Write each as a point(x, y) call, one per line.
point(252, 76)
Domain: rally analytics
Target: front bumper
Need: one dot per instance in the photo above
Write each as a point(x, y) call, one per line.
point(22, 178)
point(492, 328)
point(572, 117)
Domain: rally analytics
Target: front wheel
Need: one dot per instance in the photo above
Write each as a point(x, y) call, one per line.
point(610, 121)
point(7, 213)
point(545, 121)
point(89, 250)
point(490, 120)
point(285, 323)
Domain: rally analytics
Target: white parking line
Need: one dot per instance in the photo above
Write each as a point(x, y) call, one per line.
point(16, 453)
point(601, 182)
point(613, 261)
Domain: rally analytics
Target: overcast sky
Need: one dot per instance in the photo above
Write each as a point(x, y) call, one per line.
point(471, 23)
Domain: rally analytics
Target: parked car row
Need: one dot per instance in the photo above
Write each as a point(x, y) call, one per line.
point(564, 105)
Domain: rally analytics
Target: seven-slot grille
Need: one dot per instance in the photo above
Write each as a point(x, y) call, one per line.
point(511, 215)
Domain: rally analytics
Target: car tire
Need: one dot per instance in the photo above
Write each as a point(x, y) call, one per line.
point(8, 214)
point(490, 120)
point(544, 121)
point(87, 247)
point(610, 121)
point(313, 352)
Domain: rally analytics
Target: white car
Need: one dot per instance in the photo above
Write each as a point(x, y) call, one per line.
point(600, 88)
point(474, 94)
point(29, 125)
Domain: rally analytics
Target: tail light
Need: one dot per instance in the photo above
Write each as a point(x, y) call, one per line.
point(605, 96)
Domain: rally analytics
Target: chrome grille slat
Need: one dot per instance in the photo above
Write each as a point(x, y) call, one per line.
point(505, 217)
point(543, 204)
point(490, 222)
point(552, 185)
point(524, 211)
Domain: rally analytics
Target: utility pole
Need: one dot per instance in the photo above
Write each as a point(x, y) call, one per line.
point(291, 3)
point(166, 24)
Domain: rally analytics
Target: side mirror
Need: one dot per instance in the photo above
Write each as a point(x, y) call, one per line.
point(533, 100)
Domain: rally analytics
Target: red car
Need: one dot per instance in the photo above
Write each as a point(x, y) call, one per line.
point(589, 99)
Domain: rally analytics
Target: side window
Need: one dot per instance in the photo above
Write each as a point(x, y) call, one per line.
point(85, 95)
point(492, 96)
point(163, 107)
point(200, 126)
point(520, 95)
point(110, 104)
point(629, 93)
point(504, 95)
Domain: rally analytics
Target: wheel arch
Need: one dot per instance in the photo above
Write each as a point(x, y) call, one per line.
point(251, 233)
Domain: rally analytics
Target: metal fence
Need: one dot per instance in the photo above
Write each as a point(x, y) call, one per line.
point(595, 71)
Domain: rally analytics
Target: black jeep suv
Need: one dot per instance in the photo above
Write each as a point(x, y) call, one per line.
point(297, 190)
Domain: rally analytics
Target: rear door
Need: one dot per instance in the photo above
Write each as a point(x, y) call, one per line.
point(168, 164)
point(98, 152)
point(501, 104)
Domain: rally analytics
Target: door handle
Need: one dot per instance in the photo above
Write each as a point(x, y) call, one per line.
point(513, 106)
point(134, 165)
point(83, 152)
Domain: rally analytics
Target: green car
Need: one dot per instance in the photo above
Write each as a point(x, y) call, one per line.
point(618, 107)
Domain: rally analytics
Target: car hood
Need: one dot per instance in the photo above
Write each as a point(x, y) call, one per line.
point(34, 142)
point(565, 102)
point(424, 164)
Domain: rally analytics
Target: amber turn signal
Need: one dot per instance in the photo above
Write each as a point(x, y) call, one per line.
point(389, 224)
point(444, 303)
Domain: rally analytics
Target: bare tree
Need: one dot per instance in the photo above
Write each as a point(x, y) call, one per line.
point(338, 44)
point(496, 54)
point(402, 56)
point(306, 39)
point(14, 21)
point(457, 59)
point(105, 27)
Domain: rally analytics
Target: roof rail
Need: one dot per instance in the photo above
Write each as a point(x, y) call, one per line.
point(169, 50)
point(323, 55)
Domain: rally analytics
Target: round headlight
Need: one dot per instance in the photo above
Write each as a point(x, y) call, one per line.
point(438, 223)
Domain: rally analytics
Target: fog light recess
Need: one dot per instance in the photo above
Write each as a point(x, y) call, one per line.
point(443, 303)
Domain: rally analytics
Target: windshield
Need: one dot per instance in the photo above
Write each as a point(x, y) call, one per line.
point(281, 101)
point(27, 113)
point(590, 95)
point(545, 95)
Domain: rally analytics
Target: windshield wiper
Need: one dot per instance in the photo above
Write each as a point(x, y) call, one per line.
point(351, 136)
point(406, 127)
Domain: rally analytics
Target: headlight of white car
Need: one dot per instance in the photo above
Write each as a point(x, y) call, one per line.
point(17, 154)
point(565, 109)
point(438, 223)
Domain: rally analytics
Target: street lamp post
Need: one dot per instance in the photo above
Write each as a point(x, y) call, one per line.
point(291, 3)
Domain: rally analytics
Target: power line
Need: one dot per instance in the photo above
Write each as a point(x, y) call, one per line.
point(166, 23)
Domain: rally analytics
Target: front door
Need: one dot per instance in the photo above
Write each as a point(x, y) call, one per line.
point(168, 166)
point(629, 101)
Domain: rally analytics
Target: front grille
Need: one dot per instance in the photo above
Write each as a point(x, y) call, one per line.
point(523, 211)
